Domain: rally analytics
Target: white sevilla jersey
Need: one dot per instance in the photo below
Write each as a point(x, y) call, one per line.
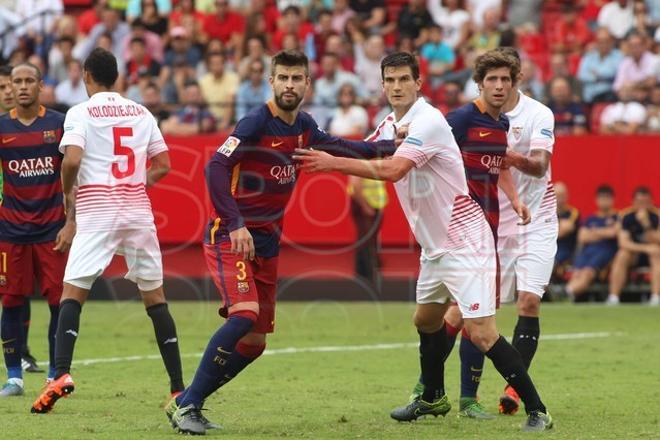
point(531, 127)
point(434, 195)
point(117, 137)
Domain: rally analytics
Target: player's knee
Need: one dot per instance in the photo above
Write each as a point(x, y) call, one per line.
point(482, 334)
point(243, 320)
point(253, 339)
point(529, 304)
point(622, 259)
point(427, 323)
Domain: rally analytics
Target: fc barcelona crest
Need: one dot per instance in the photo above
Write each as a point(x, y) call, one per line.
point(3, 280)
point(517, 132)
point(49, 137)
point(243, 287)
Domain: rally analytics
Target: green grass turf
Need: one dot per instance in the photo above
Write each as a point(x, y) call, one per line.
point(601, 388)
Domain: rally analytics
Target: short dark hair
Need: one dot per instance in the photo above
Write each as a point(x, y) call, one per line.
point(605, 190)
point(642, 190)
point(152, 85)
point(102, 65)
point(138, 40)
point(5, 70)
point(494, 59)
point(292, 8)
point(289, 58)
point(31, 66)
point(190, 83)
point(67, 39)
point(399, 59)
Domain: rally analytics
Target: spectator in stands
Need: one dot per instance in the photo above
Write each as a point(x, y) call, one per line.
point(653, 113)
point(255, 50)
point(268, 10)
point(294, 23)
point(625, 116)
point(368, 55)
point(487, 36)
point(478, 8)
point(559, 67)
point(523, 12)
point(38, 17)
point(193, 118)
point(455, 22)
point(349, 119)
point(6, 90)
point(439, 55)
point(569, 219)
point(153, 17)
point(327, 86)
point(134, 91)
point(45, 75)
point(340, 15)
point(152, 100)
point(91, 17)
point(153, 41)
point(569, 115)
point(339, 46)
point(617, 16)
point(225, 25)
point(570, 34)
point(175, 79)
point(639, 246)
point(253, 91)
point(141, 8)
point(642, 20)
point(181, 49)
point(322, 30)
point(597, 241)
point(58, 64)
point(320, 113)
point(413, 21)
point(372, 13)
point(291, 41)
point(219, 87)
point(530, 83)
point(72, 90)
point(140, 62)
point(639, 66)
point(451, 98)
point(598, 69)
point(110, 23)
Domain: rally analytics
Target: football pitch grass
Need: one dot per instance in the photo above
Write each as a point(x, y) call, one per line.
point(598, 372)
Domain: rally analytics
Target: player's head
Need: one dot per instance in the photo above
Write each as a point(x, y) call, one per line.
point(604, 198)
point(642, 198)
point(495, 74)
point(26, 84)
point(515, 57)
point(100, 71)
point(289, 78)
point(6, 90)
point(401, 81)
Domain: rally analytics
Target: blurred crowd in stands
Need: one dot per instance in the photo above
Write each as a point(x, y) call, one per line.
point(200, 65)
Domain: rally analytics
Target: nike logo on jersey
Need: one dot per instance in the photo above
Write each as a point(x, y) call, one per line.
point(223, 351)
point(484, 133)
point(170, 341)
point(8, 341)
point(476, 370)
point(72, 332)
point(7, 140)
point(276, 144)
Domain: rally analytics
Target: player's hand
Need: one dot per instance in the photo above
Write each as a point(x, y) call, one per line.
point(523, 212)
point(242, 243)
point(401, 134)
point(314, 161)
point(65, 237)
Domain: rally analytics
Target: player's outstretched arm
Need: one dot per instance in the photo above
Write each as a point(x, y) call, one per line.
point(506, 184)
point(337, 146)
point(160, 166)
point(392, 169)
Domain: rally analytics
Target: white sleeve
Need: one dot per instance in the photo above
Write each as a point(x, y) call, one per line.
point(157, 144)
point(543, 129)
point(75, 130)
point(426, 138)
point(635, 113)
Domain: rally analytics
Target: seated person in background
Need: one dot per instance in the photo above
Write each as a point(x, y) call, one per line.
point(569, 218)
point(639, 245)
point(253, 91)
point(624, 117)
point(349, 119)
point(439, 55)
point(193, 118)
point(569, 115)
point(152, 100)
point(597, 238)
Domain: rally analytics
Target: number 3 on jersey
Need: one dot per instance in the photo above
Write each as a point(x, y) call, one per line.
point(122, 150)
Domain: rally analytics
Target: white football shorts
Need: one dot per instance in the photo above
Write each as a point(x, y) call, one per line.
point(526, 261)
point(92, 252)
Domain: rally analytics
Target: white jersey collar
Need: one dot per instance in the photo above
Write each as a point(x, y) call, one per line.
point(519, 107)
point(412, 111)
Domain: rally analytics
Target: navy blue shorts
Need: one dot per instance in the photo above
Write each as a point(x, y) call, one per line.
point(563, 255)
point(594, 257)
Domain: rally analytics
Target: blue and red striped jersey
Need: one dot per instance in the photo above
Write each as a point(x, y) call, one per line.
point(32, 209)
point(252, 175)
point(483, 144)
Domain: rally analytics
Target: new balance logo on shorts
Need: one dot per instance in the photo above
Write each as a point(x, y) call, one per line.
point(474, 307)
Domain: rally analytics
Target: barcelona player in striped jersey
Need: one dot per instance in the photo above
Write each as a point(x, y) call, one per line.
point(34, 233)
point(250, 180)
point(458, 257)
point(7, 103)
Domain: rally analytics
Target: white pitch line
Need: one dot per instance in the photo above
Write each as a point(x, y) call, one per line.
point(337, 348)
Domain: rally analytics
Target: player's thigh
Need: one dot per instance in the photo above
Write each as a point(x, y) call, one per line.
point(141, 251)
point(264, 271)
point(232, 276)
point(508, 250)
point(16, 276)
point(533, 267)
point(49, 268)
point(90, 254)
